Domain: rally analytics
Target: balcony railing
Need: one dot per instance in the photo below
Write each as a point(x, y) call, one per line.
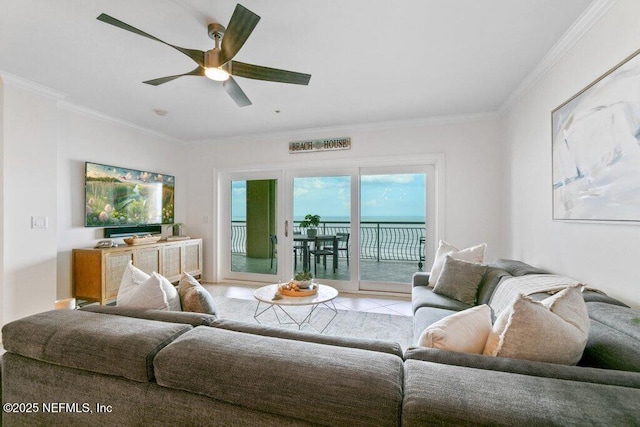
point(381, 241)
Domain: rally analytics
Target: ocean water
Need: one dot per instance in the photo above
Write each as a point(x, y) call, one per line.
point(344, 219)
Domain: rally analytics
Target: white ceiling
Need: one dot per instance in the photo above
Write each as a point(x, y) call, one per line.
point(371, 61)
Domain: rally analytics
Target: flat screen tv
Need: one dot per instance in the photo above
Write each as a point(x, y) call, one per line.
point(120, 197)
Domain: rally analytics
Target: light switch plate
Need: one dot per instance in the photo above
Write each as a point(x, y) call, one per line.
point(40, 222)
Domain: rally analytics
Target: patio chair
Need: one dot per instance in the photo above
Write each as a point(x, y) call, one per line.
point(343, 244)
point(321, 250)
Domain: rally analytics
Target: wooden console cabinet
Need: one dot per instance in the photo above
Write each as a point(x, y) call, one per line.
point(97, 272)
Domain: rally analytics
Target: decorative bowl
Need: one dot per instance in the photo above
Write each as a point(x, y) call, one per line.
point(303, 284)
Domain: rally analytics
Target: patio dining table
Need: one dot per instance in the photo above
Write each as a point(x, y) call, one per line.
point(306, 254)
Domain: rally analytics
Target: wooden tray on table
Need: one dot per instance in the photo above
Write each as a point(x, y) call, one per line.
point(133, 241)
point(313, 289)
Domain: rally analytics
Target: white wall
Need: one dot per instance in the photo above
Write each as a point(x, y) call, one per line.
point(85, 137)
point(601, 255)
point(29, 171)
point(45, 145)
point(2, 298)
point(472, 148)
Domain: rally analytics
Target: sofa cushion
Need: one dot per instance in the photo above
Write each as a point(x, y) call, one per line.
point(112, 345)
point(614, 338)
point(302, 380)
point(440, 394)
point(423, 296)
point(598, 296)
point(623, 319)
point(490, 280)
point(554, 330)
point(194, 297)
point(193, 319)
point(525, 367)
point(131, 403)
point(420, 278)
point(472, 254)
point(459, 280)
point(517, 268)
point(464, 331)
point(272, 331)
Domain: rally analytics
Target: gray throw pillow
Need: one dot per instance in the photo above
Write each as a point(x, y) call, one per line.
point(554, 330)
point(194, 297)
point(460, 280)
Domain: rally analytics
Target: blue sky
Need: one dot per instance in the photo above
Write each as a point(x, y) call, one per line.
point(397, 196)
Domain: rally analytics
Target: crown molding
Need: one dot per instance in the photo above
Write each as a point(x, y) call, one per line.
point(24, 84)
point(589, 17)
point(63, 103)
point(73, 107)
point(357, 127)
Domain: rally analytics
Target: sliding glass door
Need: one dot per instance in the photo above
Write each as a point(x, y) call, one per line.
point(322, 249)
point(392, 227)
point(355, 228)
point(251, 226)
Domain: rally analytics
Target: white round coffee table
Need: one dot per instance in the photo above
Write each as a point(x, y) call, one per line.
point(265, 296)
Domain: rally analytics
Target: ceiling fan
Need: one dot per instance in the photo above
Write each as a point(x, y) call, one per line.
point(217, 63)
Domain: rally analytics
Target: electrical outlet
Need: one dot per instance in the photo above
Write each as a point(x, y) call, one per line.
point(39, 222)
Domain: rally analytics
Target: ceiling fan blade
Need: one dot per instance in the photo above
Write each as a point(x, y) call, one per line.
point(241, 24)
point(196, 55)
point(234, 91)
point(155, 82)
point(258, 72)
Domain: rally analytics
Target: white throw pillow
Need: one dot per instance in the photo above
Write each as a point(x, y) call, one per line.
point(148, 295)
point(139, 290)
point(131, 278)
point(465, 331)
point(554, 330)
point(472, 254)
point(173, 299)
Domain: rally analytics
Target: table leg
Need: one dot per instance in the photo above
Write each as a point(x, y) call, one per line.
point(305, 256)
point(294, 321)
point(259, 312)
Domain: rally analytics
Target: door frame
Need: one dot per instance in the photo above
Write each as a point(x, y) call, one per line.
point(224, 224)
point(352, 172)
point(429, 170)
point(284, 170)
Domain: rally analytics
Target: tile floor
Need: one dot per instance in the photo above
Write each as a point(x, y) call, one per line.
point(345, 301)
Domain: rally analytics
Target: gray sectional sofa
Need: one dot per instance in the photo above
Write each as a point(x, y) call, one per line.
point(108, 366)
point(113, 369)
point(458, 388)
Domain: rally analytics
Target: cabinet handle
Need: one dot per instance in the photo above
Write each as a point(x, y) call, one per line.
point(286, 228)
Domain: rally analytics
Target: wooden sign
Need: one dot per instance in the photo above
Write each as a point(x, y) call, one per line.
point(328, 144)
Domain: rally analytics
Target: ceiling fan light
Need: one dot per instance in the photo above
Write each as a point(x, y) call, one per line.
point(217, 74)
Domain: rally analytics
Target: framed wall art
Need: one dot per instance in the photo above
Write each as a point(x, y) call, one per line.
point(596, 149)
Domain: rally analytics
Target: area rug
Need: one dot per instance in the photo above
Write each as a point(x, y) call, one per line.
point(346, 323)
